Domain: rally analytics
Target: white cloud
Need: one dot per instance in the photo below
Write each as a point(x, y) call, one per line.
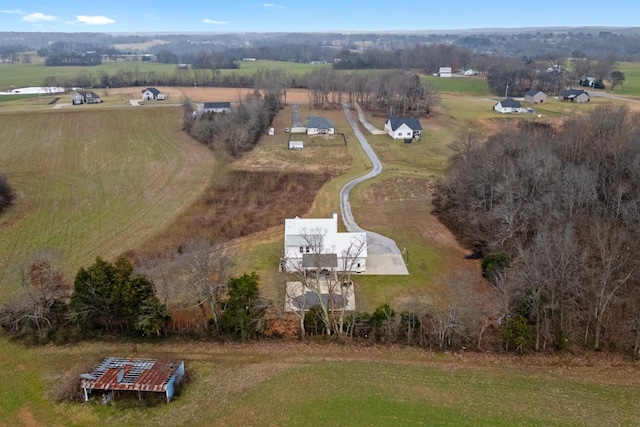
point(38, 17)
point(211, 21)
point(150, 15)
point(94, 20)
point(273, 5)
point(13, 11)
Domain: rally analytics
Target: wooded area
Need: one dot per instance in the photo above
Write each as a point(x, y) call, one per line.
point(554, 213)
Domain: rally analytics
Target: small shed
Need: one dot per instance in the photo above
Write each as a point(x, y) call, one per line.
point(141, 375)
point(296, 145)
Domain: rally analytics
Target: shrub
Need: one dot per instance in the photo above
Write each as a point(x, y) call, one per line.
point(6, 194)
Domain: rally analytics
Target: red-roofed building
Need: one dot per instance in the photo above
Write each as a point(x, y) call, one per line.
point(148, 375)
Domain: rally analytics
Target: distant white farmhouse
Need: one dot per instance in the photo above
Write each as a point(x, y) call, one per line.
point(152, 94)
point(311, 243)
point(317, 125)
point(508, 105)
point(444, 72)
point(403, 127)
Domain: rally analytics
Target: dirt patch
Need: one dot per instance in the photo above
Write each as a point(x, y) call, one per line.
point(175, 94)
point(26, 417)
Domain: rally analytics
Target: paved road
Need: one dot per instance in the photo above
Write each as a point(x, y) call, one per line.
point(376, 243)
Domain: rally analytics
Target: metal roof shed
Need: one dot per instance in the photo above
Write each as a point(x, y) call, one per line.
point(149, 375)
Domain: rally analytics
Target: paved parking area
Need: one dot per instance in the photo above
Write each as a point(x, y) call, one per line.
point(386, 264)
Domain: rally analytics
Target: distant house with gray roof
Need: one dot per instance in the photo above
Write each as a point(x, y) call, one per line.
point(152, 94)
point(403, 127)
point(508, 105)
point(574, 95)
point(85, 97)
point(317, 125)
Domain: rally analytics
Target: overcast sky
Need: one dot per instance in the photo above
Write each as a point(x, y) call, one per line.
point(308, 16)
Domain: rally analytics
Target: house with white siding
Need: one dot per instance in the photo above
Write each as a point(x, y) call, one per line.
point(312, 243)
point(508, 105)
point(317, 125)
point(403, 127)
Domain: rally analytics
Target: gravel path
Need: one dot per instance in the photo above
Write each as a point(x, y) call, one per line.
point(376, 243)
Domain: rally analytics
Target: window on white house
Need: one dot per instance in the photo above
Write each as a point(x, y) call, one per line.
point(308, 249)
point(301, 249)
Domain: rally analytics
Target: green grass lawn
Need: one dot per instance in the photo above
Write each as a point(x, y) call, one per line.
point(631, 85)
point(21, 75)
point(94, 182)
point(466, 85)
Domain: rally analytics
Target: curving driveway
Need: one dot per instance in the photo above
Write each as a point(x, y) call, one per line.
point(384, 256)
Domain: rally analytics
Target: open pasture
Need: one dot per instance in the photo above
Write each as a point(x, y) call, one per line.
point(94, 182)
point(328, 384)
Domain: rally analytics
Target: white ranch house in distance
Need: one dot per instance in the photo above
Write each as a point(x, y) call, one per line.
point(508, 105)
point(152, 94)
point(403, 128)
point(317, 125)
point(312, 241)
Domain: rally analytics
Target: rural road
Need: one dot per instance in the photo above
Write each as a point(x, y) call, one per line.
point(376, 243)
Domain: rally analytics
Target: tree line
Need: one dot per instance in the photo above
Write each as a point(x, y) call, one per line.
point(514, 77)
point(554, 214)
point(112, 299)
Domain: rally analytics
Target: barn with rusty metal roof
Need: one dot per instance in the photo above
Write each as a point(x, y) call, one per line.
point(141, 375)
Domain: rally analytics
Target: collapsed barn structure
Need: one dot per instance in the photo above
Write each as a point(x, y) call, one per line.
point(141, 375)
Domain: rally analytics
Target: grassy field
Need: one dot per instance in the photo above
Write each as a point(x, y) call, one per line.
point(20, 75)
point(94, 182)
point(329, 384)
point(475, 86)
point(631, 85)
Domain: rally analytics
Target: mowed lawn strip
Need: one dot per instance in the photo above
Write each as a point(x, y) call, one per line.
point(94, 182)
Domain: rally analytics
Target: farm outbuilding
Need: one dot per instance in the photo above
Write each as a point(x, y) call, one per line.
point(444, 72)
point(535, 96)
point(141, 375)
point(574, 95)
point(296, 145)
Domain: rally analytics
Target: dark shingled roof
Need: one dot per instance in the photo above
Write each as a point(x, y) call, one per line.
point(533, 92)
point(412, 122)
point(510, 103)
point(317, 122)
point(153, 90)
point(572, 93)
point(217, 105)
point(320, 260)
